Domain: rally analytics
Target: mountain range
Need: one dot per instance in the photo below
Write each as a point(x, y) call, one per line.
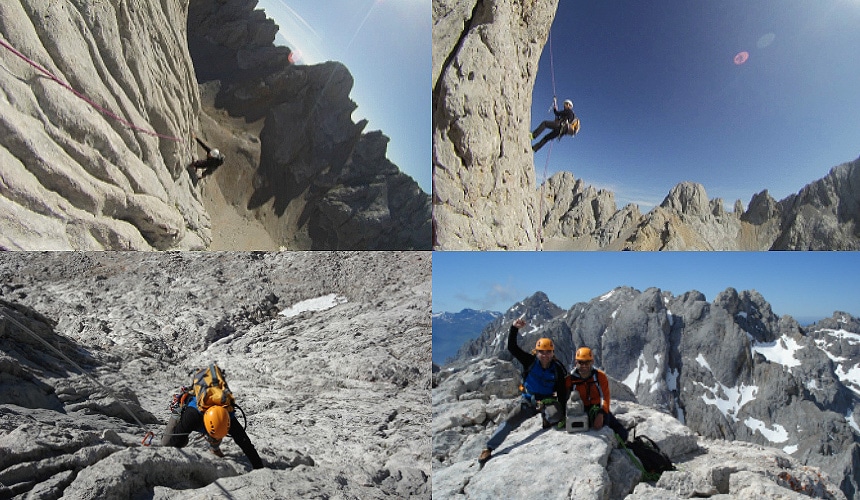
point(729, 370)
point(450, 330)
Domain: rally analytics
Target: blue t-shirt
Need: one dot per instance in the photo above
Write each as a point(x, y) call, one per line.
point(540, 380)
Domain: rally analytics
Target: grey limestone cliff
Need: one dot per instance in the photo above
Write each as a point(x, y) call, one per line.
point(485, 58)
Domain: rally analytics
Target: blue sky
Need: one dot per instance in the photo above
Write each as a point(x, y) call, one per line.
point(801, 284)
point(661, 100)
point(386, 44)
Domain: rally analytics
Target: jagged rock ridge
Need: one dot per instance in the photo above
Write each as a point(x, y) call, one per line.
point(822, 216)
point(74, 178)
point(728, 369)
point(335, 398)
point(321, 183)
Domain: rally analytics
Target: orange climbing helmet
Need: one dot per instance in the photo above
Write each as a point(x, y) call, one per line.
point(544, 345)
point(217, 421)
point(584, 354)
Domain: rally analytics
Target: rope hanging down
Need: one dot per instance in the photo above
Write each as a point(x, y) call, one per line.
point(68, 360)
point(86, 99)
point(549, 153)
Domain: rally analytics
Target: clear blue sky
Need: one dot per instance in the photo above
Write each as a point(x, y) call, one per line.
point(661, 100)
point(801, 284)
point(386, 44)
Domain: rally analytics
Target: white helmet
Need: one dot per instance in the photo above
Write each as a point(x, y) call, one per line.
point(568, 101)
point(214, 153)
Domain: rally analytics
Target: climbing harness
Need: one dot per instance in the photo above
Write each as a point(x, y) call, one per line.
point(81, 370)
point(86, 99)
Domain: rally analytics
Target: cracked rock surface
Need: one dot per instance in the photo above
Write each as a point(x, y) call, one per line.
point(336, 398)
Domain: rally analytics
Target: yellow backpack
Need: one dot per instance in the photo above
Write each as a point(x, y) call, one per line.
point(210, 388)
point(573, 127)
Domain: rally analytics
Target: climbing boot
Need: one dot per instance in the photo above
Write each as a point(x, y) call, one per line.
point(485, 455)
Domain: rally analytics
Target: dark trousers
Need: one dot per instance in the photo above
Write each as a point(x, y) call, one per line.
point(610, 421)
point(179, 430)
point(522, 412)
point(548, 124)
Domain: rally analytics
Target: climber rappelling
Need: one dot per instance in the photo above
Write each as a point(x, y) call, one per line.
point(213, 160)
point(565, 123)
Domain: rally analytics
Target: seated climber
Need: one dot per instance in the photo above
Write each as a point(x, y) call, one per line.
point(593, 387)
point(207, 407)
point(543, 389)
point(565, 122)
point(213, 160)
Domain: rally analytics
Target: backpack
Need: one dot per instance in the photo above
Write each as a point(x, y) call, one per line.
point(654, 462)
point(569, 128)
point(210, 388)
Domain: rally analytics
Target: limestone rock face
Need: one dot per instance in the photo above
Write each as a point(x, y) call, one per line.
point(485, 60)
point(335, 392)
point(730, 369)
point(824, 215)
point(74, 178)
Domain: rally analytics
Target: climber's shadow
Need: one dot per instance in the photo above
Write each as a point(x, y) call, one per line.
point(527, 440)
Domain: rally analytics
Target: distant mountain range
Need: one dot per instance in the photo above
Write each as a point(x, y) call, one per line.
point(452, 329)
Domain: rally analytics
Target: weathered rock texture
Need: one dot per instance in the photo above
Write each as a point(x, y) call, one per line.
point(72, 177)
point(336, 399)
point(730, 370)
point(485, 60)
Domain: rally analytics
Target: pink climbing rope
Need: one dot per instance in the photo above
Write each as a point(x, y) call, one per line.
point(85, 98)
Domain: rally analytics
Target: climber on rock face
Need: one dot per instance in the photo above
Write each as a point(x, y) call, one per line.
point(543, 389)
point(213, 160)
point(593, 387)
point(565, 122)
point(208, 407)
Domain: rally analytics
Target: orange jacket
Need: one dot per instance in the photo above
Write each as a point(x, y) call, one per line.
point(594, 389)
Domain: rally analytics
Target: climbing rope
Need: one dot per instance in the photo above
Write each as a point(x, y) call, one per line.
point(68, 360)
point(86, 99)
point(549, 153)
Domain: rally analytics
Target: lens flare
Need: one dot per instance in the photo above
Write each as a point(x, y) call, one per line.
point(741, 57)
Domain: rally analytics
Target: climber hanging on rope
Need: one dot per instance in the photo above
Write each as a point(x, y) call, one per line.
point(565, 123)
point(213, 160)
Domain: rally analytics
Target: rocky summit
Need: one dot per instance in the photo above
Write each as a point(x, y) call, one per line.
point(748, 404)
point(485, 193)
point(99, 106)
point(328, 355)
